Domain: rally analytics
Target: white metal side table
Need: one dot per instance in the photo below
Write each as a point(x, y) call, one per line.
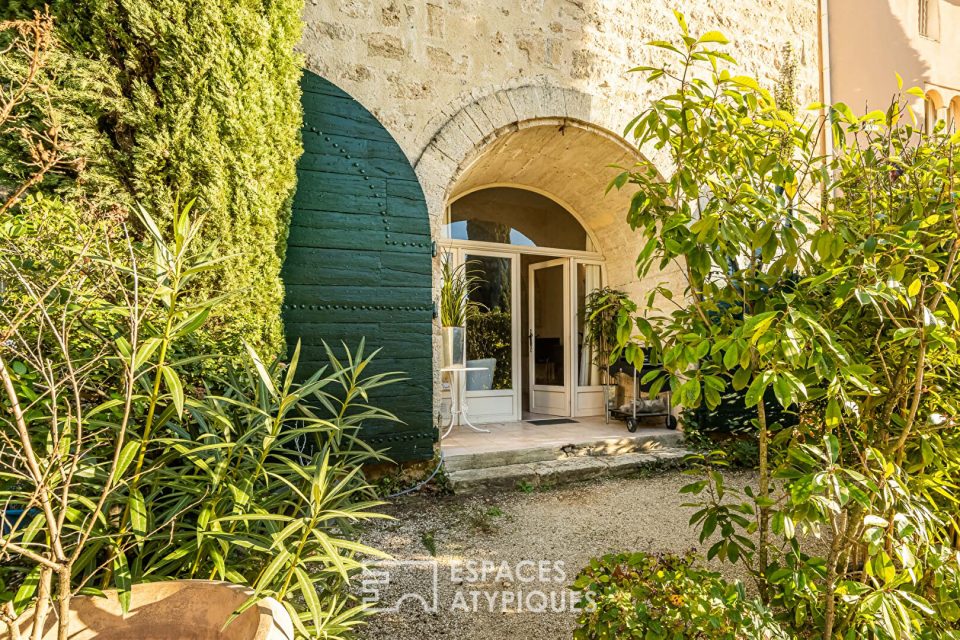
point(458, 404)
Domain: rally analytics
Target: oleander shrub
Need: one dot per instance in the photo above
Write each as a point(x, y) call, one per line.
point(120, 465)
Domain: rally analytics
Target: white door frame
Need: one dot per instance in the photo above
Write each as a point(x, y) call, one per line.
point(497, 405)
point(587, 399)
point(478, 407)
point(550, 399)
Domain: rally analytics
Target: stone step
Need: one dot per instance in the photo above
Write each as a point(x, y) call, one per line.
point(551, 473)
point(634, 443)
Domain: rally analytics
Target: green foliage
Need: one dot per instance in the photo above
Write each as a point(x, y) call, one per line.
point(785, 93)
point(41, 145)
point(526, 487)
point(660, 597)
point(830, 283)
point(482, 520)
point(727, 426)
point(606, 311)
point(733, 427)
point(429, 542)
point(490, 335)
point(169, 100)
point(456, 285)
point(124, 469)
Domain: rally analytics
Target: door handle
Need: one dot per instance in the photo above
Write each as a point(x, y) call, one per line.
point(530, 341)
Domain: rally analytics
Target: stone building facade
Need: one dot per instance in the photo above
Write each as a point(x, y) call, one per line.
point(534, 95)
point(445, 76)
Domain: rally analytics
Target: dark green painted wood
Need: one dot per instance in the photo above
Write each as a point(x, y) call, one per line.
point(312, 83)
point(358, 262)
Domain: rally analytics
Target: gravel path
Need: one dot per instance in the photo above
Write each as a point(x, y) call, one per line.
point(562, 528)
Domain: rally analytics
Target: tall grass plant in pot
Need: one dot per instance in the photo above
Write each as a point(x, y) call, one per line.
point(457, 283)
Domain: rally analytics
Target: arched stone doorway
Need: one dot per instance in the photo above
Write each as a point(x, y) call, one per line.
point(569, 161)
point(539, 179)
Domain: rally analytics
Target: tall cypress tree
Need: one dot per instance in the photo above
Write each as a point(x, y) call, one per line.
point(183, 99)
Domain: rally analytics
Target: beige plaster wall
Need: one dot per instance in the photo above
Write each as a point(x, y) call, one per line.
point(871, 40)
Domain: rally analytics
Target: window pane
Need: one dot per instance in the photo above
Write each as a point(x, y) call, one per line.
point(548, 291)
point(588, 280)
point(489, 326)
point(515, 216)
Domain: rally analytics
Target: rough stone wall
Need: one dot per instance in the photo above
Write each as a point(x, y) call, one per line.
point(430, 70)
point(414, 64)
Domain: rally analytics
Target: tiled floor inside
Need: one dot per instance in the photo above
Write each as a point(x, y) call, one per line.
point(506, 436)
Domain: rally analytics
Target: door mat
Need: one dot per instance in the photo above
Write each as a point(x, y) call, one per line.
point(547, 421)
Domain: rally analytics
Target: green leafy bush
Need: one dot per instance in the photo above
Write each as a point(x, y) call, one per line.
point(489, 335)
point(661, 597)
point(708, 430)
point(733, 427)
point(120, 467)
point(832, 283)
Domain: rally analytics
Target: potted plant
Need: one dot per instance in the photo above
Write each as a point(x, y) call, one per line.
point(137, 486)
point(604, 309)
point(170, 609)
point(455, 306)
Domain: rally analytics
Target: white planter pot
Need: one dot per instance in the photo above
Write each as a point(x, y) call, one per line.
point(173, 610)
point(454, 346)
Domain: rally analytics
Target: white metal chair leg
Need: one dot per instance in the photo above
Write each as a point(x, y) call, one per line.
point(453, 419)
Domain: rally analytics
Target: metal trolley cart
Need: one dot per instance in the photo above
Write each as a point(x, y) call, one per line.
point(632, 416)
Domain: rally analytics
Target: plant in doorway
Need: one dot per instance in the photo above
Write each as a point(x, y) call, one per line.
point(604, 311)
point(457, 283)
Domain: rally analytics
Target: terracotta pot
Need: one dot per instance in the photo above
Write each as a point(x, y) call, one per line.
point(174, 610)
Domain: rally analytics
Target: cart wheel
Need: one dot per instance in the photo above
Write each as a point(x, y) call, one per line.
point(631, 424)
point(671, 422)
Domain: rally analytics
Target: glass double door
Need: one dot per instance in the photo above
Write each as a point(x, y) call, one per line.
point(526, 352)
point(492, 335)
point(565, 373)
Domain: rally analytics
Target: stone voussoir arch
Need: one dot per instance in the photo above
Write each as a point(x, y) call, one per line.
point(452, 157)
point(462, 137)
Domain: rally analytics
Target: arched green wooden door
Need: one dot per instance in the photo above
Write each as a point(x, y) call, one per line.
point(359, 260)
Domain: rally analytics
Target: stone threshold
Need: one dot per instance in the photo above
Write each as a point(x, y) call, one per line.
point(551, 473)
point(592, 447)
